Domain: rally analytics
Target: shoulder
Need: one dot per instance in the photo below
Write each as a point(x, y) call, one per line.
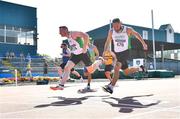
point(110, 32)
point(75, 34)
point(129, 30)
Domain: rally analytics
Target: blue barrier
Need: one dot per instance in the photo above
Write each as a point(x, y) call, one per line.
point(6, 75)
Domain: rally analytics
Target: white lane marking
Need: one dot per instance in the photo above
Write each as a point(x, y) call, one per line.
point(22, 111)
point(148, 112)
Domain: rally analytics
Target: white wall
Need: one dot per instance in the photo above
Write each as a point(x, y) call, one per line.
point(170, 36)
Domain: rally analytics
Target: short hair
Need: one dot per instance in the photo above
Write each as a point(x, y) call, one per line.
point(63, 27)
point(116, 20)
point(64, 44)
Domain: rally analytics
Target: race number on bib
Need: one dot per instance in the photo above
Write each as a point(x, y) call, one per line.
point(120, 44)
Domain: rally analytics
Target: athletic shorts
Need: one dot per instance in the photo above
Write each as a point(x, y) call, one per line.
point(108, 68)
point(81, 57)
point(122, 57)
point(63, 65)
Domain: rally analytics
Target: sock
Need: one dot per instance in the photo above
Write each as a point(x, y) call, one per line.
point(88, 84)
point(110, 86)
point(65, 77)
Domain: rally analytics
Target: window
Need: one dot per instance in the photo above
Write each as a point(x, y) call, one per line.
point(1, 26)
point(145, 34)
point(1, 35)
point(170, 31)
point(11, 36)
point(11, 40)
point(158, 54)
point(26, 38)
point(16, 35)
point(1, 39)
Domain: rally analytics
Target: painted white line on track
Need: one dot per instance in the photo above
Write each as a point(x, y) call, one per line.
point(148, 112)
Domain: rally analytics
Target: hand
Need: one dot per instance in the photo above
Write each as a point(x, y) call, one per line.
point(145, 47)
point(84, 50)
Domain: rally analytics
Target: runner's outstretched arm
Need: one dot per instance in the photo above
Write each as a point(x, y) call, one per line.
point(96, 52)
point(138, 36)
point(108, 41)
point(84, 36)
point(114, 58)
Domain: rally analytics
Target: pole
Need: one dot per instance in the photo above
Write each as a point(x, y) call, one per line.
point(162, 55)
point(5, 34)
point(15, 72)
point(110, 29)
point(154, 48)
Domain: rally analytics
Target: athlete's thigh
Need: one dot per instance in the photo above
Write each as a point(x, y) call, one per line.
point(118, 65)
point(75, 58)
point(108, 68)
point(70, 65)
point(86, 59)
point(62, 65)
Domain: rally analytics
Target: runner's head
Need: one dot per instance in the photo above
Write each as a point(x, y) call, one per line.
point(63, 45)
point(116, 24)
point(63, 31)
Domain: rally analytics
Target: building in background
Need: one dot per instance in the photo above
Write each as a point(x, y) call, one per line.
point(18, 29)
point(166, 40)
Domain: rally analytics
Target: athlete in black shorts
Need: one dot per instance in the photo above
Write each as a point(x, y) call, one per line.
point(120, 36)
point(78, 42)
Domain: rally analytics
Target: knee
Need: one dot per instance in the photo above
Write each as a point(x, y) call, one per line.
point(107, 73)
point(117, 67)
point(85, 74)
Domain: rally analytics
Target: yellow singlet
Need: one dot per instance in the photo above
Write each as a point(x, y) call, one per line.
point(108, 58)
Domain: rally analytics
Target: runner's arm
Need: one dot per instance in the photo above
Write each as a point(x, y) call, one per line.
point(85, 38)
point(138, 36)
point(114, 58)
point(108, 41)
point(96, 52)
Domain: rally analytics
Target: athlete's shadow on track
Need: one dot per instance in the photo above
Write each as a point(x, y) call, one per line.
point(128, 104)
point(67, 101)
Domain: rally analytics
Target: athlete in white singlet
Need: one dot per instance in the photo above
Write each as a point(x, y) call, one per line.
point(121, 36)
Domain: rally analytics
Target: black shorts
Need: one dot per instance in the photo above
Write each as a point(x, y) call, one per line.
point(108, 68)
point(81, 57)
point(63, 65)
point(122, 57)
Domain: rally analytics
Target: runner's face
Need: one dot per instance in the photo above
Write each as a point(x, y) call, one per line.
point(63, 46)
point(117, 26)
point(63, 32)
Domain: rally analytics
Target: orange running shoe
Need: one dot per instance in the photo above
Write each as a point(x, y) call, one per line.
point(57, 87)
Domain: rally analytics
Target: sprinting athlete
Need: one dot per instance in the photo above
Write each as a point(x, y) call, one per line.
point(109, 61)
point(120, 35)
point(78, 42)
point(94, 55)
